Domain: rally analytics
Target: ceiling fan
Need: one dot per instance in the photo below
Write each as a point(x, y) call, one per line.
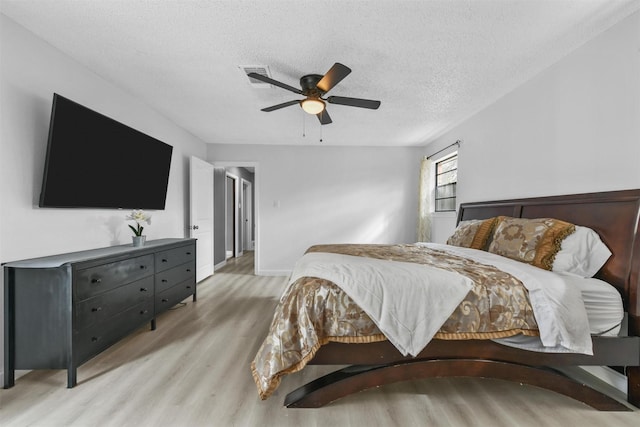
point(314, 87)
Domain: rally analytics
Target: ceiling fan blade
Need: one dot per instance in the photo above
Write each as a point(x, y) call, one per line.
point(333, 77)
point(354, 102)
point(324, 117)
point(284, 104)
point(274, 82)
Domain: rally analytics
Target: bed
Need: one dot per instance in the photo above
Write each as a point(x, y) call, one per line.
point(375, 361)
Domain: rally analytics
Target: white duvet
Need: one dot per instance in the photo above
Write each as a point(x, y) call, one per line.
point(410, 319)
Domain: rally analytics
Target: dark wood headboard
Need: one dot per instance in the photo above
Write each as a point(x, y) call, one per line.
point(614, 215)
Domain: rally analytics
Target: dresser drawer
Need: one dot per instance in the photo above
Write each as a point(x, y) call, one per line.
point(172, 296)
point(171, 277)
point(98, 337)
point(174, 257)
point(108, 304)
point(96, 280)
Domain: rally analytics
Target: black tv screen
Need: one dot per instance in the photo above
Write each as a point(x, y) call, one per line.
point(94, 161)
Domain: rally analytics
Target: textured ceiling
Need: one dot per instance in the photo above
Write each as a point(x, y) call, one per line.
point(431, 63)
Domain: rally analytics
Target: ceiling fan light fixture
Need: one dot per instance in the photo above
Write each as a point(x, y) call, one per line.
point(312, 105)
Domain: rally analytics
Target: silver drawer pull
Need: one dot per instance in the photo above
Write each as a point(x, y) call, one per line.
point(143, 267)
point(144, 311)
point(143, 289)
point(165, 300)
point(95, 309)
point(188, 286)
point(188, 270)
point(188, 253)
point(95, 339)
point(164, 260)
point(98, 280)
point(164, 280)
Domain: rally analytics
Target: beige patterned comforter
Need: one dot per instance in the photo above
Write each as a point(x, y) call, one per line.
point(314, 312)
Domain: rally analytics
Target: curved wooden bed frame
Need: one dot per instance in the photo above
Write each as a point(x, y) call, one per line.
point(615, 216)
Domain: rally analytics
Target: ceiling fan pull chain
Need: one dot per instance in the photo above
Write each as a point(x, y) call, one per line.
point(304, 133)
point(320, 133)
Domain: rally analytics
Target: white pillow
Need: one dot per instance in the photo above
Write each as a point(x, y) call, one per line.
point(582, 253)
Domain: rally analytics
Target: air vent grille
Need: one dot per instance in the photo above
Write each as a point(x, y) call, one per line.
point(259, 69)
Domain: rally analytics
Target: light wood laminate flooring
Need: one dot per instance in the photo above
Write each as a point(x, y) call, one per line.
point(194, 371)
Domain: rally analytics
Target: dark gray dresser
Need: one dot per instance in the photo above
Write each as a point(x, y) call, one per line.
point(62, 310)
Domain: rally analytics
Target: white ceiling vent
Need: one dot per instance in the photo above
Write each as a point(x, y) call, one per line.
point(259, 69)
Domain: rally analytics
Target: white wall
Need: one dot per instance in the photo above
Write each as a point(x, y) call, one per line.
point(30, 71)
point(319, 194)
point(574, 128)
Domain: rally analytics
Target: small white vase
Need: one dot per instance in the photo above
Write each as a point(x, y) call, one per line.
point(138, 241)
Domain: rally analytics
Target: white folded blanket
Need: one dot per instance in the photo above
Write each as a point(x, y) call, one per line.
point(408, 302)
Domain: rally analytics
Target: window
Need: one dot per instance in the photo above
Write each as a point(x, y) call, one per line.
point(446, 181)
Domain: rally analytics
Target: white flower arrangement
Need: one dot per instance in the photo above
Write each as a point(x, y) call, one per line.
point(138, 215)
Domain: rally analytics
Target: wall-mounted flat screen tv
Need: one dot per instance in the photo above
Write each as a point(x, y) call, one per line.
point(94, 161)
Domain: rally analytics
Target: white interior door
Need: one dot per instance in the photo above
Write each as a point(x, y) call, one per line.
point(201, 215)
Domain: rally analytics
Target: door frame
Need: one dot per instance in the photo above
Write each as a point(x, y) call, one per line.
point(246, 190)
point(237, 248)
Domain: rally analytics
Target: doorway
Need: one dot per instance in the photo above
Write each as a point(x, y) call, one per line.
point(231, 218)
point(236, 212)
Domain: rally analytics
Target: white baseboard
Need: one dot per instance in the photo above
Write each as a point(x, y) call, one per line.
point(273, 272)
point(219, 265)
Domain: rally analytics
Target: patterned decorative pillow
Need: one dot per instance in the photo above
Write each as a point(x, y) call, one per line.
point(474, 233)
point(533, 241)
